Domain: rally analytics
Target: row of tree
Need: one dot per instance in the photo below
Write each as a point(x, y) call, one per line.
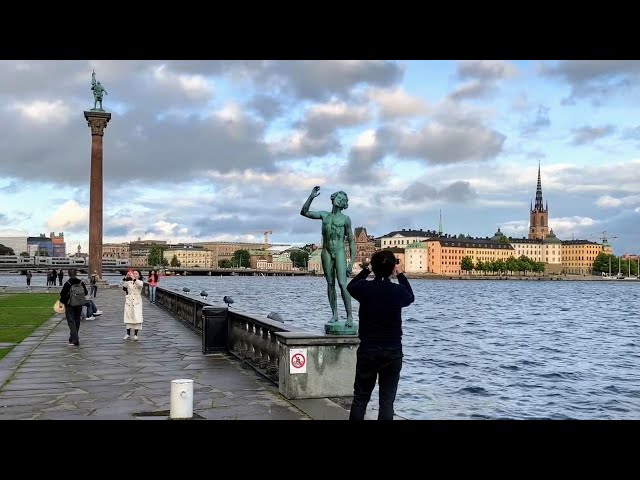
point(240, 258)
point(523, 264)
point(603, 262)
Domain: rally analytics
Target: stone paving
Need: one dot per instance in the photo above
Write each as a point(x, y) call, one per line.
point(109, 378)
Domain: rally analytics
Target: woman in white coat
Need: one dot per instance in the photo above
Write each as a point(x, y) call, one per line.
point(132, 284)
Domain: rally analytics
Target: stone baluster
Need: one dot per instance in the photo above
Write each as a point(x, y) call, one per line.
point(248, 354)
point(264, 348)
point(244, 343)
point(236, 335)
point(257, 343)
point(274, 357)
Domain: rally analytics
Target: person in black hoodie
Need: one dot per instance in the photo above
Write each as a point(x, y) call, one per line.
point(379, 355)
point(72, 310)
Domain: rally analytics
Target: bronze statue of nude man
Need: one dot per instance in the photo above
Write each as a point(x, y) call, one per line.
point(336, 226)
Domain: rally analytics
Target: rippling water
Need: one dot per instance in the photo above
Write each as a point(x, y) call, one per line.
point(485, 349)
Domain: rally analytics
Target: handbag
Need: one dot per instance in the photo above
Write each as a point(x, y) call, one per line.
point(58, 307)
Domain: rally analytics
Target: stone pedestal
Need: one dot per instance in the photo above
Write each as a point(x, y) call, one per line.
point(341, 328)
point(97, 121)
point(328, 363)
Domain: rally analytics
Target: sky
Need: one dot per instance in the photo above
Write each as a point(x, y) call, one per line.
point(223, 150)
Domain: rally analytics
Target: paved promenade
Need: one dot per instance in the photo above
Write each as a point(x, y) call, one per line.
point(109, 378)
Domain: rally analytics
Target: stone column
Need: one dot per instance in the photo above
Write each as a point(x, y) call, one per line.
point(97, 121)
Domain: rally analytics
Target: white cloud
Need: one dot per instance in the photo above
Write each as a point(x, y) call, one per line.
point(69, 214)
point(366, 139)
point(396, 102)
point(567, 228)
point(515, 228)
point(43, 112)
point(607, 201)
point(193, 86)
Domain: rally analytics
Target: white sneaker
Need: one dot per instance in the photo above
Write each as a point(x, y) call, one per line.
point(135, 337)
point(90, 318)
point(126, 337)
point(97, 312)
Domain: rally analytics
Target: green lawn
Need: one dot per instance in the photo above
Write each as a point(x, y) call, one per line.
point(21, 314)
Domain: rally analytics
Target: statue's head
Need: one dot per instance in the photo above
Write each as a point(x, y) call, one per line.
point(98, 83)
point(340, 200)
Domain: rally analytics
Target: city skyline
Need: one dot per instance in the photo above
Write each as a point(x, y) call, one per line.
point(206, 150)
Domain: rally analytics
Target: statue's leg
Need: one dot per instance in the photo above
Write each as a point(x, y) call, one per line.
point(341, 273)
point(329, 275)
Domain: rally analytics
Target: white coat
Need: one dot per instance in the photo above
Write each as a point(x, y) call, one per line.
point(133, 304)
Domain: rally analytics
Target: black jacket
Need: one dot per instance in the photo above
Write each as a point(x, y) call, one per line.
point(381, 303)
point(66, 289)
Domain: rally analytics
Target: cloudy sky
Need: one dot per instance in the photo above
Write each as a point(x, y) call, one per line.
point(221, 150)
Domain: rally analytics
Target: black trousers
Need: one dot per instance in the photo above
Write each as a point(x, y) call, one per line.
point(73, 319)
point(383, 364)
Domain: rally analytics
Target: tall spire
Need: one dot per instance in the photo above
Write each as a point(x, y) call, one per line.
point(539, 204)
point(440, 224)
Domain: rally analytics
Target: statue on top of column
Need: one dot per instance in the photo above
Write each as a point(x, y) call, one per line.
point(98, 90)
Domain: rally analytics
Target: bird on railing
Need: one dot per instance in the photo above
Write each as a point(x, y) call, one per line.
point(186, 289)
point(276, 316)
point(204, 294)
point(228, 300)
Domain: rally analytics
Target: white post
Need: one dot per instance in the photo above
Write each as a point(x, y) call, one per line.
point(181, 399)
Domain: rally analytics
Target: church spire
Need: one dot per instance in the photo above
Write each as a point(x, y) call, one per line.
point(539, 203)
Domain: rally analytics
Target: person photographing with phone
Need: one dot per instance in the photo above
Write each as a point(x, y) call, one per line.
point(379, 355)
point(132, 284)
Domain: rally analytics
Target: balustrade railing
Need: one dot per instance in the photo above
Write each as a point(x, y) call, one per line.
point(251, 338)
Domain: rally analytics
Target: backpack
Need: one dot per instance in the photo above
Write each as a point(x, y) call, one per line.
point(77, 295)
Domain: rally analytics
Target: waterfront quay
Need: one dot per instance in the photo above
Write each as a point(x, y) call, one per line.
point(106, 377)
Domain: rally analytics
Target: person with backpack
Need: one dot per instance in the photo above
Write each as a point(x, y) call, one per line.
point(73, 295)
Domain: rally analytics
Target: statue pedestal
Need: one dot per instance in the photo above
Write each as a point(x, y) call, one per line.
point(316, 366)
point(340, 328)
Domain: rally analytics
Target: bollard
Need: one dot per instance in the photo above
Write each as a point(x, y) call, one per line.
point(181, 399)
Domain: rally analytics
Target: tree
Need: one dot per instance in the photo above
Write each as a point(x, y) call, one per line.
point(511, 264)
point(156, 256)
point(537, 267)
point(241, 258)
point(467, 264)
point(480, 266)
point(174, 261)
point(500, 266)
point(42, 253)
point(601, 264)
point(24, 254)
point(525, 264)
point(6, 250)
point(299, 258)
point(225, 263)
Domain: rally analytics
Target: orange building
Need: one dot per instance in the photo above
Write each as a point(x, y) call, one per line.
point(578, 256)
point(445, 254)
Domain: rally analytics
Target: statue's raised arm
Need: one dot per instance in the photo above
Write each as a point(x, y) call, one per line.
point(305, 208)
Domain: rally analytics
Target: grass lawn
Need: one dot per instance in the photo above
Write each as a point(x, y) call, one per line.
point(21, 314)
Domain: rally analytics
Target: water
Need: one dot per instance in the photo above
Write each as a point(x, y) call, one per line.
point(483, 349)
